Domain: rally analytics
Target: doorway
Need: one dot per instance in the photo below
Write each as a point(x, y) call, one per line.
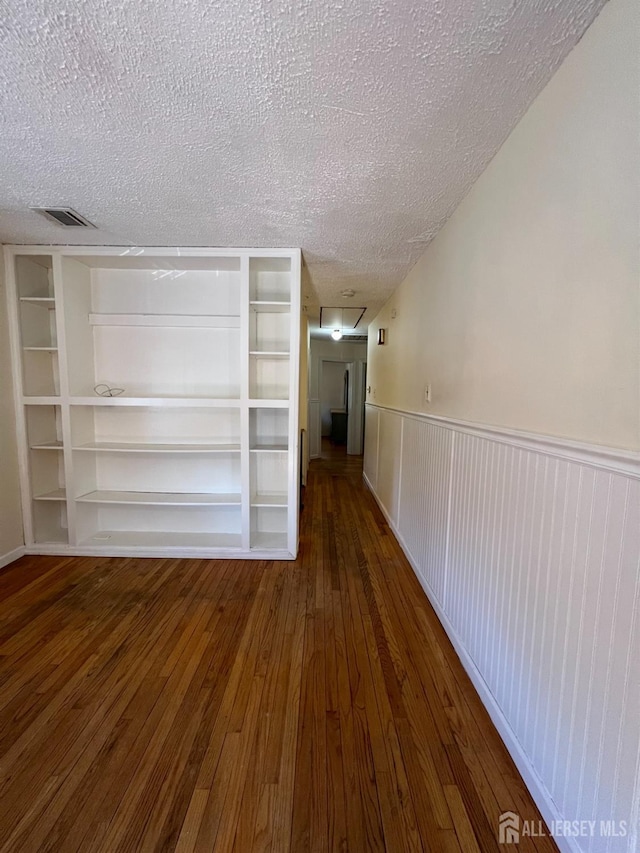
point(340, 405)
point(334, 401)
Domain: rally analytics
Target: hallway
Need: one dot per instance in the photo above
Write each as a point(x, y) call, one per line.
point(235, 706)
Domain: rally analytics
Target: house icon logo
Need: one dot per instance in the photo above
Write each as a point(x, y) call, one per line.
point(509, 828)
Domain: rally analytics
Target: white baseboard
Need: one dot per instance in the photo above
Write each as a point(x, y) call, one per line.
point(155, 553)
point(536, 787)
point(5, 559)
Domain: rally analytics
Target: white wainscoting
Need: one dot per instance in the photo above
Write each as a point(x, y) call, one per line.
point(529, 550)
point(370, 461)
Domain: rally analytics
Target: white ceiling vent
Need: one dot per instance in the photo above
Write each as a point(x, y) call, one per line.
point(65, 216)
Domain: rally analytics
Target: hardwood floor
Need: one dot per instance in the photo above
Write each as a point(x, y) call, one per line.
point(234, 706)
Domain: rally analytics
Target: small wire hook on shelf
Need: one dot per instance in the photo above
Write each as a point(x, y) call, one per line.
point(104, 390)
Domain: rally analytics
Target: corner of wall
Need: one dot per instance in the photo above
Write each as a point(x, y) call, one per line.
point(304, 392)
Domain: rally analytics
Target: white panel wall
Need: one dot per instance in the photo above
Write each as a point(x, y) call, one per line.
point(424, 498)
point(530, 552)
point(370, 461)
point(390, 437)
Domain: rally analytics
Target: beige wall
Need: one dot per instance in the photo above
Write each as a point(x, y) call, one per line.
point(11, 536)
point(303, 401)
point(524, 311)
point(336, 350)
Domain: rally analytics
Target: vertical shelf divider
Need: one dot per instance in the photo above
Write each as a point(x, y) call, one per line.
point(65, 392)
point(245, 456)
point(294, 418)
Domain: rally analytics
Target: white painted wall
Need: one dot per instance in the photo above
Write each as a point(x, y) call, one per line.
point(332, 350)
point(524, 311)
point(11, 536)
point(331, 391)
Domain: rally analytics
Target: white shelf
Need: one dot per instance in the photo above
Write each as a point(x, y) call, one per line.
point(40, 400)
point(268, 541)
point(266, 354)
point(160, 498)
point(269, 448)
point(41, 301)
point(261, 305)
point(256, 403)
point(272, 499)
point(48, 445)
point(194, 321)
point(40, 349)
point(132, 447)
point(164, 402)
point(56, 495)
point(147, 539)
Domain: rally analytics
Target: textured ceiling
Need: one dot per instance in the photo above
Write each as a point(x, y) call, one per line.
point(349, 128)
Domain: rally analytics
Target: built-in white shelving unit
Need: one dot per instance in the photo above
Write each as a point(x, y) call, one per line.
point(197, 452)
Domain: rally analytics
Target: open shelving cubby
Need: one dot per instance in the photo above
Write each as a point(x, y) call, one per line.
point(270, 280)
point(157, 470)
point(37, 377)
point(197, 451)
point(37, 325)
point(269, 499)
point(269, 328)
point(153, 326)
point(47, 492)
point(269, 463)
point(268, 429)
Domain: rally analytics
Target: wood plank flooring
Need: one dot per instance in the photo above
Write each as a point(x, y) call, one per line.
point(187, 705)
